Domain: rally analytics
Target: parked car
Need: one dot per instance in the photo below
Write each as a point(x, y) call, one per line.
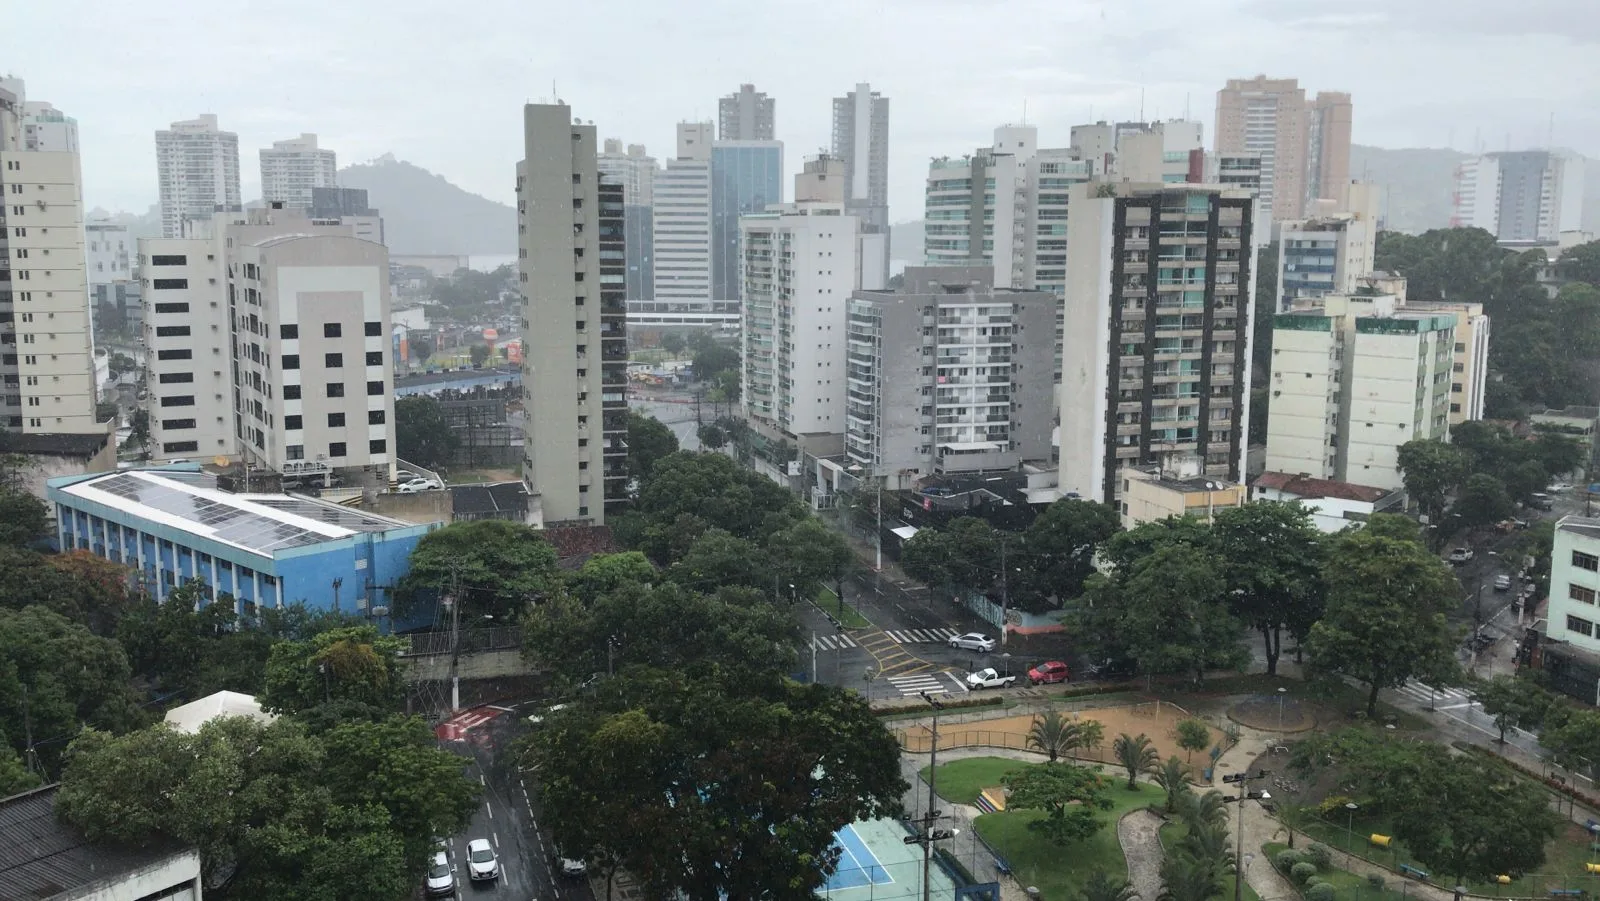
point(405, 475)
point(973, 641)
point(1502, 582)
point(1540, 501)
point(989, 678)
point(1561, 486)
point(1048, 673)
point(441, 876)
point(571, 867)
point(416, 485)
point(482, 865)
point(1460, 555)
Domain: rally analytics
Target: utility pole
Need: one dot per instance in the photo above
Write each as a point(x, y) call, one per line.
point(337, 583)
point(813, 656)
point(928, 835)
point(455, 640)
point(1243, 780)
point(877, 534)
point(1005, 597)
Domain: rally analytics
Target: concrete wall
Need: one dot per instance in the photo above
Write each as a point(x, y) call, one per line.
point(473, 665)
point(182, 869)
point(422, 507)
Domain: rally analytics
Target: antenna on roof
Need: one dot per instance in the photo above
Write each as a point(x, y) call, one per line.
point(1186, 106)
point(1025, 111)
point(1141, 102)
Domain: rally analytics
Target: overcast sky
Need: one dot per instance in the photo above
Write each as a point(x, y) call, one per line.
point(440, 84)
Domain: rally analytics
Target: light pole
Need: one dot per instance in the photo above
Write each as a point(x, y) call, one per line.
point(928, 835)
point(1243, 779)
point(1283, 690)
point(1349, 823)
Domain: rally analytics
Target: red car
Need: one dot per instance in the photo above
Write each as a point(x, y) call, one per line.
point(1054, 671)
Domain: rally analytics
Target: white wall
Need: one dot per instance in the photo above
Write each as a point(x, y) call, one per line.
point(1567, 580)
point(1304, 392)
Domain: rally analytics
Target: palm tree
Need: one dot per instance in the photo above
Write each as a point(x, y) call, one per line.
point(1100, 886)
point(1173, 780)
point(1051, 733)
point(1186, 877)
point(1135, 754)
point(1206, 809)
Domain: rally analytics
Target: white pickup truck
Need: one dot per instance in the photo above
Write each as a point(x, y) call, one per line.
point(989, 678)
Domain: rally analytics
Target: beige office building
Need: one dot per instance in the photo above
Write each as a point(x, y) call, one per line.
point(1153, 493)
point(1304, 145)
point(291, 169)
point(573, 265)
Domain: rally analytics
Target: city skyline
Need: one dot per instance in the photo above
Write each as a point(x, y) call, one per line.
point(357, 100)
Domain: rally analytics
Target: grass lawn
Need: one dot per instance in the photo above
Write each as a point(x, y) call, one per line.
point(848, 616)
point(961, 780)
point(1059, 871)
point(1347, 886)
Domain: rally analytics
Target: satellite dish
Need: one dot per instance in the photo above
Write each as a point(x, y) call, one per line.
point(219, 460)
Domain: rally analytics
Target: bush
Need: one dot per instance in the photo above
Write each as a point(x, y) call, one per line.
point(1319, 855)
point(1302, 871)
point(1287, 858)
point(1322, 891)
point(1375, 882)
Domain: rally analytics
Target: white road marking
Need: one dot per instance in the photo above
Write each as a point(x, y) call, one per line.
point(914, 685)
point(489, 809)
point(1455, 706)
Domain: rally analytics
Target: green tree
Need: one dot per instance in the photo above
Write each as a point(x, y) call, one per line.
point(1136, 755)
point(962, 557)
point(352, 666)
point(1072, 798)
point(1480, 821)
point(23, 518)
point(1482, 501)
point(1431, 470)
point(139, 428)
point(494, 565)
point(1173, 778)
point(1192, 735)
point(716, 492)
point(422, 435)
point(1385, 621)
point(1557, 452)
point(15, 777)
point(717, 558)
point(712, 361)
point(1200, 811)
point(1187, 876)
point(1581, 263)
point(712, 436)
point(605, 573)
point(1101, 886)
point(1512, 701)
point(419, 348)
point(1174, 616)
point(672, 343)
point(810, 554)
point(1577, 308)
point(1272, 561)
point(478, 353)
point(1267, 304)
point(1057, 552)
point(1054, 735)
point(648, 441)
point(1575, 741)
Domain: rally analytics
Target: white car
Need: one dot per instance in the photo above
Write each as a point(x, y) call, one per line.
point(416, 485)
point(1502, 582)
point(482, 865)
point(989, 678)
point(571, 867)
point(441, 876)
point(973, 641)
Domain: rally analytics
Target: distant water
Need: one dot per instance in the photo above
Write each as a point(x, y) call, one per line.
point(488, 262)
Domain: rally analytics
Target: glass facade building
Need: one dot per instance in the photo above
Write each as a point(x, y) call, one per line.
point(746, 176)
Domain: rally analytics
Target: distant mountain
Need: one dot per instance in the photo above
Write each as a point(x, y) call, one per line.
point(425, 214)
point(905, 241)
point(1418, 183)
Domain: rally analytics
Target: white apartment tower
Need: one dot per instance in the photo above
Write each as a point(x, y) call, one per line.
point(573, 265)
point(1525, 196)
point(682, 221)
point(1328, 254)
point(269, 339)
point(800, 263)
point(1352, 380)
point(47, 363)
point(861, 139)
point(636, 171)
point(198, 168)
point(111, 252)
point(747, 115)
point(944, 375)
point(291, 169)
point(1157, 329)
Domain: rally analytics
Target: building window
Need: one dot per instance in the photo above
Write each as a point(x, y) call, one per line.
point(172, 308)
point(172, 331)
point(335, 389)
point(336, 449)
point(375, 417)
point(374, 388)
point(181, 400)
point(169, 284)
point(291, 392)
point(178, 447)
point(377, 446)
point(288, 332)
point(331, 330)
point(291, 361)
point(374, 358)
point(184, 354)
point(1580, 625)
point(1586, 561)
point(168, 378)
point(292, 422)
point(295, 452)
point(335, 420)
point(167, 259)
point(373, 329)
point(1580, 594)
point(333, 361)
point(175, 424)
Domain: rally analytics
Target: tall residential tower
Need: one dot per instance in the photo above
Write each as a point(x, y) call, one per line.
point(682, 223)
point(636, 171)
point(748, 115)
point(291, 169)
point(861, 139)
point(198, 166)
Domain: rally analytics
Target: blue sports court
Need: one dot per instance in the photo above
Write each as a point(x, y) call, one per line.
point(875, 864)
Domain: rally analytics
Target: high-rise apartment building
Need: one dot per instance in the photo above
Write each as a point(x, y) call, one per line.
point(1327, 254)
point(801, 262)
point(636, 171)
point(747, 115)
point(573, 271)
point(1352, 380)
point(861, 139)
point(1573, 621)
point(746, 177)
point(350, 207)
point(944, 375)
point(1304, 146)
point(268, 335)
point(40, 125)
point(48, 363)
point(681, 217)
point(291, 169)
point(1521, 196)
point(198, 168)
point(1157, 331)
point(110, 252)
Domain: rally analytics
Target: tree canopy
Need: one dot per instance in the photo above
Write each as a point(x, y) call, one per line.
point(1072, 798)
point(498, 566)
point(1272, 563)
point(422, 435)
point(648, 441)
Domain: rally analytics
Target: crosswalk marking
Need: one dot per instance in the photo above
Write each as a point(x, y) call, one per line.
point(919, 636)
point(932, 683)
point(1420, 692)
point(832, 642)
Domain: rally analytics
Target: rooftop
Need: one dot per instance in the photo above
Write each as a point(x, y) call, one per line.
point(40, 857)
point(499, 497)
point(56, 444)
point(191, 502)
point(1310, 489)
point(191, 716)
point(1579, 525)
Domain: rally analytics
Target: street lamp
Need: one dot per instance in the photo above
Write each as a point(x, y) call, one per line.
point(929, 834)
point(1282, 691)
point(1349, 821)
